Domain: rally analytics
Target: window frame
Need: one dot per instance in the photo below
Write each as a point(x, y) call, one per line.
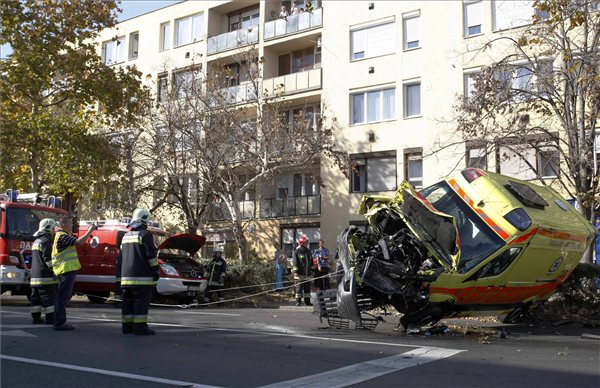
point(466, 25)
point(365, 105)
point(165, 42)
point(364, 185)
point(495, 27)
point(134, 51)
point(190, 38)
point(405, 42)
point(406, 100)
point(365, 30)
point(413, 154)
point(116, 51)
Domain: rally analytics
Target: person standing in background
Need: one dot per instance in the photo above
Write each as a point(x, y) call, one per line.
point(279, 267)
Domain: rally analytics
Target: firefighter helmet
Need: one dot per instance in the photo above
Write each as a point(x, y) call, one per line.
point(141, 216)
point(302, 240)
point(47, 225)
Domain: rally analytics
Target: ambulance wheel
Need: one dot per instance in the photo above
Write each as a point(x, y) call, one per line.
point(514, 316)
point(98, 297)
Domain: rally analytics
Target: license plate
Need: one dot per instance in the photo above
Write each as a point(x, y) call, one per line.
point(191, 288)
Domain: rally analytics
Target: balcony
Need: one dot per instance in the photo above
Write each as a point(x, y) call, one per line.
point(232, 40)
point(293, 83)
point(219, 212)
point(290, 207)
point(293, 24)
point(239, 94)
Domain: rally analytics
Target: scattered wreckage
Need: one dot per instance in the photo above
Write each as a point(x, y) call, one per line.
point(476, 244)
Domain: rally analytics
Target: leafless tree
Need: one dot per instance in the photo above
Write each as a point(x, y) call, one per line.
point(535, 108)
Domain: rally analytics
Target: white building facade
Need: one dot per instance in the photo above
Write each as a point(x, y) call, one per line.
point(389, 72)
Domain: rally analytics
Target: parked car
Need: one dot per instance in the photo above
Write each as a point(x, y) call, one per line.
point(479, 243)
point(180, 275)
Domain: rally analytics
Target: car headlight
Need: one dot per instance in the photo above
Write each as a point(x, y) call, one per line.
point(169, 270)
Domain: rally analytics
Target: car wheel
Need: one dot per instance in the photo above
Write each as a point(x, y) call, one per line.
point(514, 316)
point(98, 297)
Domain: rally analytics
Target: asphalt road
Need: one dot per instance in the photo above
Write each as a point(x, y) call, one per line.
point(282, 348)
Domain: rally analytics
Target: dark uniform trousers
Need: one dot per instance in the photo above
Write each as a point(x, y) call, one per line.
point(136, 301)
point(42, 302)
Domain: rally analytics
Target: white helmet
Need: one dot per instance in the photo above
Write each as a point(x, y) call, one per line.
point(47, 225)
point(140, 216)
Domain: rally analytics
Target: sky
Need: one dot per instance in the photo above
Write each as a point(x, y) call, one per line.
point(132, 8)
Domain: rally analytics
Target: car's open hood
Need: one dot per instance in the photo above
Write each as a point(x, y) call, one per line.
point(434, 228)
point(190, 243)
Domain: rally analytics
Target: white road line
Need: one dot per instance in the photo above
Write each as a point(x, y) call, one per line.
point(16, 333)
point(106, 372)
point(368, 370)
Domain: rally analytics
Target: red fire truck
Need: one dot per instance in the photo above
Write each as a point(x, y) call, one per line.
point(20, 215)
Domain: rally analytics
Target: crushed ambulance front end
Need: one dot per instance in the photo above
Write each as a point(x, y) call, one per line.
point(476, 244)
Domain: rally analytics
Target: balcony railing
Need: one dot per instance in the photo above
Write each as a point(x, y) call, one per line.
point(293, 83)
point(220, 212)
point(294, 23)
point(289, 207)
point(239, 94)
point(232, 40)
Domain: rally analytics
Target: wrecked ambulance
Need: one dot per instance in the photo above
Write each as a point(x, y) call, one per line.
point(479, 243)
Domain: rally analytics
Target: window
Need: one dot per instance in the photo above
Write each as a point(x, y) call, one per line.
point(163, 87)
point(372, 106)
point(165, 36)
point(512, 13)
point(189, 29)
point(373, 41)
point(469, 84)
point(514, 83)
point(113, 51)
point(412, 100)
point(413, 168)
point(373, 173)
point(306, 117)
point(134, 45)
point(521, 158)
point(548, 162)
point(244, 20)
point(291, 234)
point(305, 185)
point(185, 82)
point(476, 156)
point(411, 32)
point(473, 17)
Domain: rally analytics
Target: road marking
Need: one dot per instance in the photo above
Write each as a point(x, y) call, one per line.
point(106, 372)
point(16, 333)
point(368, 370)
point(207, 313)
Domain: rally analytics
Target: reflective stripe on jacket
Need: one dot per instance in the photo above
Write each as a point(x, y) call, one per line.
point(41, 256)
point(138, 260)
point(65, 260)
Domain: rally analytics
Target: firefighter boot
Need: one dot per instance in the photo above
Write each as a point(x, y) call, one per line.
point(307, 301)
point(50, 319)
point(37, 318)
point(142, 329)
point(298, 301)
point(127, 328)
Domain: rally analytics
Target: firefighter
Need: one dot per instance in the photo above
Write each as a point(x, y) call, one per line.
point(216, 278)
point(302, 267)
point(43, 282)
point(139, 273)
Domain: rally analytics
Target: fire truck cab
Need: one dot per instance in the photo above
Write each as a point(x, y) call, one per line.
point(20, 215)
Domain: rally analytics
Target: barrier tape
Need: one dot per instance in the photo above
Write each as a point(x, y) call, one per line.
point(198, 304)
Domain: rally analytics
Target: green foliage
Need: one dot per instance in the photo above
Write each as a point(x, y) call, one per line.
point(50, 87)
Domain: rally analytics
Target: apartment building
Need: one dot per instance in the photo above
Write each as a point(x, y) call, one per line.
point(390, 72)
